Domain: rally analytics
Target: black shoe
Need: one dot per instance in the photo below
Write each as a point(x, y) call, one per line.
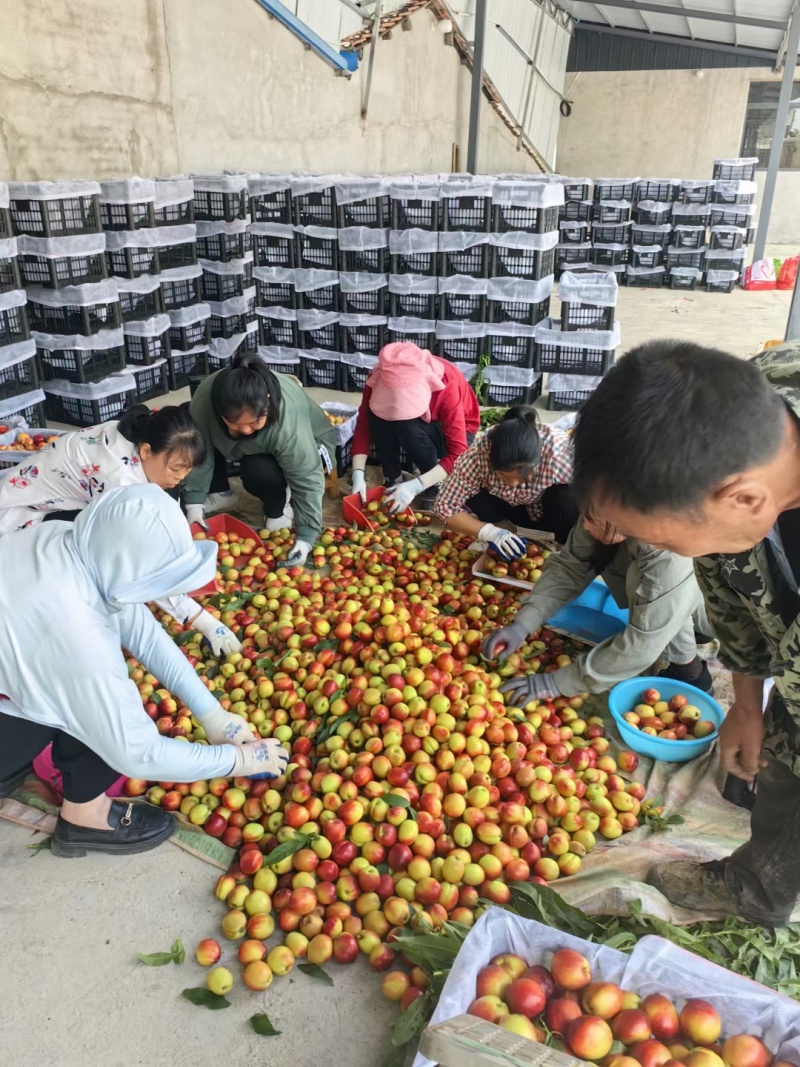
point(133, 828)
point(428, 499)
point(702, 680)
point(12, 784)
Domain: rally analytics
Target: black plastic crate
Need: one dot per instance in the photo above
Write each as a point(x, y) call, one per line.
point(522, 262)
point(735, 169)
point(693, 258)
point(721, 261)
point(222, 247)
point(271, 205)
point(181, 292)
point(320, 373)
point(6, 229)
point(56, 272)
point(418, 336)
point(689, 237)
point(615, 189)
point(611, 213)
point(461, 349)
point(611, 233)
point(415, 263)
point(467, 212)
point(525, 312)
point(221, 287)
point(318, 253)
point(217, 206)
point(19, 378)
point(151, 382)
point(366, 301)
point(80, 365)
point(146, 350)
point(649, 257)
point(498, 394)
point(177, 255)
point(344, 457)
point(190, 335)
point(572, 359)
point(658, 236)
point(696, 192)
point(133, 262)
point(416, 305)
point(186, 365)
point(662, 191)
point(649, 279)
point(275, 293)
point(33, 414)
point(372, 211)
point(573, 233)
point(62, 217)
point(567, 255)
point(609, 257)
point(140, 305)
point(411, 213)
point(83, 411)
point(726, 215)
point(229, 325)
point(655, 215)
point(508, 218)
point(514, 351)
point(133, 216)
point(353, 377)
point(576, 191)
point(727, 238)
point(472, 262)
point(726, 285)
point(180, 214)
point(692, 214)
point(324, 337)
point(467, 307)
point(316, 207)
point(320, 298)
point(683, 281)
point(568, 400)
point(275, 331)
point(274, 250)
point(13, 325)
point(10, 277)
point(366, 260)
point(278, 365)
point(74, 318)
point(578, 316)
point(365, 337)
point(731, 193)
point(577, 211)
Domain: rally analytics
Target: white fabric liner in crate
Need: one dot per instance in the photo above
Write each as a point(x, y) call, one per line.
point(138, 368)
point(640, 272)
point(573, 383)
point(696, 183)
point(675, 251)
point(651, 249)
point(413, 241)
point(614, 205)
point(281, 275)
point(11, 355)
point(150, 238)
point(411, 324)
point(679, 210)
point(654, 966)
point(718, 253)
point(307, 279)
point(547, 333)
point(466, 370)
point(674, 182)
point(5, 199)
point(510, 329)
point(729, 229)
point(518, 377)
point(721, 277)
point(519, 239)
point(585, 247)
point(233, 266)
point(573, 224)
point(528, 193)
point(168, 236)
point(461, 240)
point(220, 183)
point(152, 327)
point(520, 290)
point(359, 359)
point(456, 185)
point(286, 314)
point(16, 298)
point(351, 190)
point(14, 404)
point(223, 348)
point(345, 431)
point(302, 184)
point(145, 283)
point(735, 187)
point(53, 343)
point(261, 184)
point(9, 248)
point(412, 284)
point(127, 191)
point(188, 316)
point(193, 351)
point(316, 320)
point(321, 233)
point(362, 238)
point(114, 383)
point(234, 305)
point(82, 244)
point(52, 190)
point(207, 228)
point(661, 228)
point(611, 246)
point(171, 191)
point(464, 285)
point(689, 229)
point(105, 292)
point(361, 282)
point(272, 229)
point(354, 321)
point(686, 272)
point(598, 289)
point(320, 355)
point(733, 209)
point(277, 354)
point(740, 161)
point(453, 331)
point(423, 187)
point(654, 205)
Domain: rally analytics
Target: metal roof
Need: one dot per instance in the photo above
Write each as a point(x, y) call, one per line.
point(760, 24)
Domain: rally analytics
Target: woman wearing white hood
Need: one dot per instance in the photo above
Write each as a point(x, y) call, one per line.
point(70, 685)
point(161, 447)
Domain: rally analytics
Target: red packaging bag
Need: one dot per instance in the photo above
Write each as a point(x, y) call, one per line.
point(787, 276)
point(760, 275)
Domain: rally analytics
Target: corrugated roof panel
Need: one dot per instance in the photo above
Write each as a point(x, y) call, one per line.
point(592, 50)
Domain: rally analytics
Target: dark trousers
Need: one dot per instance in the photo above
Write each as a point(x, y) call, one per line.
point(261, 476)
point(85, 775)
point(559, 513)
point(422, 442)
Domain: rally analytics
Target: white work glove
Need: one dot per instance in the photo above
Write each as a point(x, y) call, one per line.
point(527, 687)
point(196, 513)
point(225, 728)
point(359, 483)
point(401, 496)
point(262, 759)
point(503, 641)
point(222, 640)
point(299, 554)
point(509, 545)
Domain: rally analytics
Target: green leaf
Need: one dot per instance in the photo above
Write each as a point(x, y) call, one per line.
point(395, 801)
point(332, 723)
point(204, 998)
point(313, 970)
point(45, 843)
point(187, 637)
point(329, 642)
point(178, 951)
point(544, 904)
point(267, 665)
point(288, 848)
point(155, 959)
point(412, 1020)
point(262, 1026)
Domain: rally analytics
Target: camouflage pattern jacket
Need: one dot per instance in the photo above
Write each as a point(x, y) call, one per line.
point(751, 606)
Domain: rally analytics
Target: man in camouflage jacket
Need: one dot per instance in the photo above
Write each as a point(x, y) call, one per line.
point(695, 451)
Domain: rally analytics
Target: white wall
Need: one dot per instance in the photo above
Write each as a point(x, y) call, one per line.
point(90, 88)
point(666, 123)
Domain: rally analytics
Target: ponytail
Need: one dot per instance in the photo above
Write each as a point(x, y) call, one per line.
point(167, 430)
point(247, 385)
point(514, 442)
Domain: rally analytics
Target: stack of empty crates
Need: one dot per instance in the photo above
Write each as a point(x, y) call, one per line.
point(651, 231)
point(731, 222)
point(20, 394)
point(577, 351)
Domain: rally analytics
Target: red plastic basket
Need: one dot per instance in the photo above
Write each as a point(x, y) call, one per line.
point(217, 524)
point(353, 509)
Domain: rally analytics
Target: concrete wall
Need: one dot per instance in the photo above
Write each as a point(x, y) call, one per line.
point(666, 123)
point(90, 88)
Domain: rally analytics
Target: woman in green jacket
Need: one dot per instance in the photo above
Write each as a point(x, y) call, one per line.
point(283, 440)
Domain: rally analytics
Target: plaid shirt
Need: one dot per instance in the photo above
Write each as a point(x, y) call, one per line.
point(473, 472)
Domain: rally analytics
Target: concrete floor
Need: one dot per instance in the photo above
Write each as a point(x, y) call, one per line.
point(74, 994)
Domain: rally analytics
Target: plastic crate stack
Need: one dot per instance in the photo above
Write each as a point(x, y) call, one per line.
point(575, 226)
point(576, 352)
point(651, 232)
point(731, 222)
point(612, 222)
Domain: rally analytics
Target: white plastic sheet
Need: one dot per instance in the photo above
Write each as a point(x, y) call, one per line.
point(220, 183)
point(454, 331)
point(284, 314)
point(171, 191)
point(233, 266)
point(411, 324)
point(5, 199)
point(82, 244)
point(361, 282)
point(464, 285)
point(8, 248)
point(316, 320)
point(352, 322)
point(208, 228)
point(105, 292)
point(264, 184)
point(150, 238)
point(234, 305)
point(272, 229)
point(571, 383)
point(351, 190)
point(10, 355)
point(52, 190)
point(598, 289)
point(412, 284)
point(461, 240)
point(115, 383)
point(409, 242)
point(16, 298)
point(152, 327)
point(520, 239)
point(547, 333)
point(145, 283)
point(188, 316)
point(345, 431)
point(534, 194)
point(359, 359)
point(423, 187)
point(306, 280)
point(362, 238)
point(57, 342)
point(13, 404)
point(127, 191)
point(277, 354)
point(520, 290)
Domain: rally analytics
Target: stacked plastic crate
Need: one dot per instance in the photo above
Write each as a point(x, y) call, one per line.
point(651, 231)
point(414, 259)
point(575, 226)
point(578, 351)
point(73, 309)
point(687, 251)
point(612, 222)
point(731, 221)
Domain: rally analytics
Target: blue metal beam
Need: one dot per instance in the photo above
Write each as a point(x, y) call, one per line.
point(307, 35)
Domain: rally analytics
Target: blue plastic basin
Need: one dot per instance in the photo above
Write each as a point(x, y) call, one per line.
point(593, 616)
point(626, 695)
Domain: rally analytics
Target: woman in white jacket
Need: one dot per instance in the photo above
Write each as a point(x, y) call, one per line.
point(69, 684)
point(161, 447)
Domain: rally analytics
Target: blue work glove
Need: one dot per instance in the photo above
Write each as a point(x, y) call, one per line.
point(521, 690)
point(507, 544)
point(502, 642)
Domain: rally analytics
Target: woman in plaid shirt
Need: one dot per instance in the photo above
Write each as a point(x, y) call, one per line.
point(519, 471)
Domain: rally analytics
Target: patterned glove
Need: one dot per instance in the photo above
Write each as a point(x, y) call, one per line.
point(509, 545)
point(262, 759)
point(225, 728)
point(222, 640)
point(401, 496)
point(527, 687)
point(502, 642)
point(196, 513)
point(299, 554)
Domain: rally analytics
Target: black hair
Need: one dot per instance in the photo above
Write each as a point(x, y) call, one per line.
point(514, 442)
point(169, 429)
point(669, 423)
point(247, 385)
